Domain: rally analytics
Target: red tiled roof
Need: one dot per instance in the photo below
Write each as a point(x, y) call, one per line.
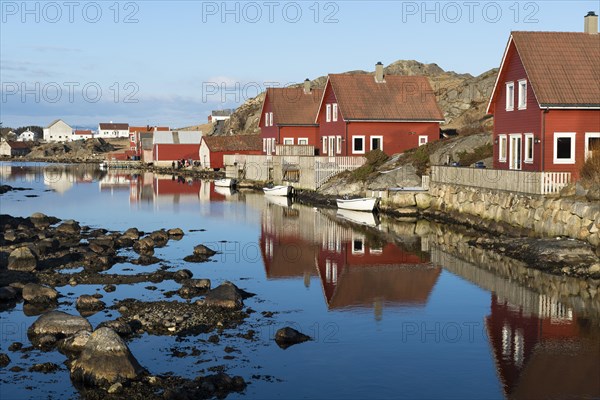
point(291, 106)
point(20, 145)
point(233, 143)
point(114, 127)
point(83, 132)
point(148, 128)
point(563, 67)
point(398, 98)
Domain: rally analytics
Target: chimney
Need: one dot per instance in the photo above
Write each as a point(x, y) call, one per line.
point(590, 23)
point(379, 72)
point(306, 86)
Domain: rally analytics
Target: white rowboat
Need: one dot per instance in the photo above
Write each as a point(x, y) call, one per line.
point(227, 182)
point(278, 191)
point(362, 204)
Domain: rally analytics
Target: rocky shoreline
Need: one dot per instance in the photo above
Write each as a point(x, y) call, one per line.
point(36, 254)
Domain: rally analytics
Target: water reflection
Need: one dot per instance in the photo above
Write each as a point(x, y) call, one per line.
point(57, 177)
point(355, 265)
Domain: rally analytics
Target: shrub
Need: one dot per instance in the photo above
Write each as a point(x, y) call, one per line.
point(480, 153)
point(590, 171)
point(374, 159)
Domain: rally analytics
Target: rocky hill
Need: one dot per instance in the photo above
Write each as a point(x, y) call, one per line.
point(462, 97)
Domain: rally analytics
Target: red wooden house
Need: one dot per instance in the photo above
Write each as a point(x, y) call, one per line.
point(362, 112)
point(213, 148)
point(546, 101)
point(136, 133)
point(288, 117)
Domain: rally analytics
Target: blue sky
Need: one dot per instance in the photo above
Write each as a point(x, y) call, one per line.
point(170, 63)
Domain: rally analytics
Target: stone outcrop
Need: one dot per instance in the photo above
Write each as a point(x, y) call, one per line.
point(226, 295)
point(22, 259)
point(34, 293)
point(56, 325)
point(286, 337)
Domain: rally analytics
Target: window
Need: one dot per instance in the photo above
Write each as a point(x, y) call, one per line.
point(303, 141)
point(522, 94)
point(358, 144)
point(529, 140)
point(265, 145)
point(502, 148)
point(270, 119)
point(423, 140)
point(564, 147)
point(328, 113)
point(377, 143)
point(592, 144)
point(324, 144)
point(288, 141)
point(338, 147)
point(266, 119)
point(335, 112)
point(358, 246)
point(510, 96)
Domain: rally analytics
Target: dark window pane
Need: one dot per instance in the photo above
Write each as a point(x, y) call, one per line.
point(563, 148)
point(358, 144)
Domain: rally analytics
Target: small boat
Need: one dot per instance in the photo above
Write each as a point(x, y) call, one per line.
point(361, 204)
point(358, 217)
point(227, 182)
point(278, 190)
point(103, 166)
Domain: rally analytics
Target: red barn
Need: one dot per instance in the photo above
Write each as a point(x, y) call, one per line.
point(546, 101)
point(213, 148)
point(362, 112)
point(288, 117)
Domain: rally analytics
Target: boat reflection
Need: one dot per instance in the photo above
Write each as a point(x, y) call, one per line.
point(355, 265)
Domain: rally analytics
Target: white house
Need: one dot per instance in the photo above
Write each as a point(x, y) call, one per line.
point(112, 130)
point(82, 134)
point(220, 115)
point(27, 136)
point(58, 131)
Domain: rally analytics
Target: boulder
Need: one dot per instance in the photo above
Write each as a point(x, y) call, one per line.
point(22, 259)
point(8, 293)
point(73, 345)
point(131, 233)
point(194, 287)
point(69, 227)
point(182, 275)
point(42, 220)
point(105, 360)
point(160, 238)
point(58, 325)
point(144, 246)
point(4, 360)
point(120, 327)
point(34, 293)
point(175, 233)
point(86, 302)
point(201, 254)
point(286, 337)
point(226, 295)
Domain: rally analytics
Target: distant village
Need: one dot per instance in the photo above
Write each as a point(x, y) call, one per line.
point(546, 116)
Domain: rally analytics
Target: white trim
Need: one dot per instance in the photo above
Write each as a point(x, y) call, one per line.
point(518, 160)
point(558, 135)
point(510, 101)
point(332, 145)
point(324, 141)
point(264, 145)
point(396, 120)
point(271, 118)
point(528, 144)
point(589, 135)
point(334, 112)
point(338, 145)
point(266, 119)
point(571, 107)
point(423, 137)
point(502, 147)
point(354, 151)
point(380, 142)
point(286, 141)
point(362, 245)
point(328, 113)
point(303, 139)
point(510, 40)
point(522, 95)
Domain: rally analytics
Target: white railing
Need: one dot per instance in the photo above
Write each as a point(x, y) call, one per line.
point(326, 167)
point(508, 180)
point(294, 150)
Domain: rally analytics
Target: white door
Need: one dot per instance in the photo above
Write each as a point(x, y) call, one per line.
point(514, 152)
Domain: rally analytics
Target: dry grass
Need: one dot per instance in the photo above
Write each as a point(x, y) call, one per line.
point(590, 172)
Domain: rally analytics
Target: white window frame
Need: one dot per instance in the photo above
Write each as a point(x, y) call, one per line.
point(502, 148)
point(380, 142)
point(324, 141)
point(354, 151)
point(558, 135)
point(303, 141)
point(338, 144)
point(328, 113)
point(360, 240)
point(510, 100)
point(522, 98)
point(271, 119)
point(264, 145)
point(266, 119)
point(528, 144)
point(423, 140)
point(588, 136)
point(334, 117)
point(288, 141)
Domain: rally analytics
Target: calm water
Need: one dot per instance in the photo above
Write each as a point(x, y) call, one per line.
point(389, 319)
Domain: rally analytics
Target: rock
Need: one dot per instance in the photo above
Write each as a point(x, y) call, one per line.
point(105, 360)
point(46, 368)
point(34, 293)
point(182, 275)
point(194, 287)
point(115, 388)
point(160, 238)
point(22, 259)
point(423, 200)
point(201, 254)
point(15, 346)
point(4, 360)
point(56, 324)
point(8, 293)
point(226, 295)
point(69, 227)
point(42, 220)
point(109, 288)
point(121, 328)
point(594, 269)
point(175, 233)
point(286, 337)
point(144, 246)
point(89, 303)
point(73, 345)
point(131, 233)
